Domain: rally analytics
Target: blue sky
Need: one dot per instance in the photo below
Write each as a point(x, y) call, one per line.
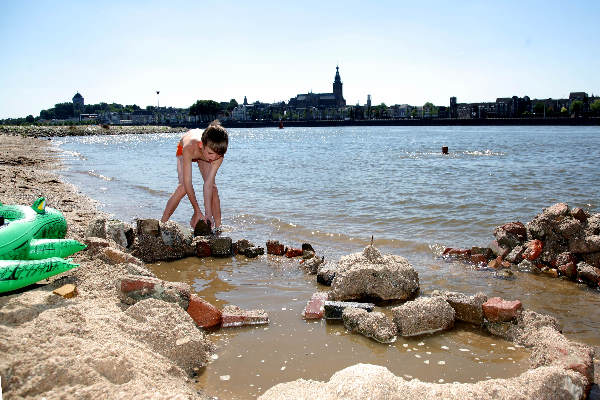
point(399, 52)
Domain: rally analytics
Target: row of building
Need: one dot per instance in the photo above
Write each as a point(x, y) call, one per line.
point(332, 106)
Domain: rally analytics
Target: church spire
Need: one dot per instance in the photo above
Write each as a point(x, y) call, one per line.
point(337, 88)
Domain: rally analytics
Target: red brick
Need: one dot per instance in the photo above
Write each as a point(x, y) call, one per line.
point(290, 253)
point(534, 249)
point(114, 256)
point(275, 248)
point(132, 284)
point(315, 307)
point(204, 314)
point(498, 310)
point(203, 248)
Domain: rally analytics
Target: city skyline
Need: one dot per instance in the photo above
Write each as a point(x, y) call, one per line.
point(268, 52)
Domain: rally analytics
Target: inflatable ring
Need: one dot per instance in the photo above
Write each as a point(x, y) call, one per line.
point(32, 244)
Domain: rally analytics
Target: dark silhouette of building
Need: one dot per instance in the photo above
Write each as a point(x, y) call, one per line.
point(78, 104)
point(321, 100)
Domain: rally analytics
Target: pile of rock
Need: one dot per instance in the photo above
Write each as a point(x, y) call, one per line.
point(151, 240)
point(571, 363)
point(559, 242)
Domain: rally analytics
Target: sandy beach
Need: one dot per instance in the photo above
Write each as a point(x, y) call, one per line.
point(89, 346)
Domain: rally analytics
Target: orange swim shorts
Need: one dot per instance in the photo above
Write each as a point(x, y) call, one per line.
point(179, 150)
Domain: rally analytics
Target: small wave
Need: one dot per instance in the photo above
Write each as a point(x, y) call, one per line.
point(93, 173)
point(154, 192)
point(483, 153)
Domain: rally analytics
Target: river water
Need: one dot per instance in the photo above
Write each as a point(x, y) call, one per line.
point(335, 188)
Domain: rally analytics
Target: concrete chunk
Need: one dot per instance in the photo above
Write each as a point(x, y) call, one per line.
point(234, 316)
point(334, 309)
point(423, 315)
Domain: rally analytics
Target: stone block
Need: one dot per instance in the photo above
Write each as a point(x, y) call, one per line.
point(584, 245)
point(498, 310)
point(459, 253)
point(579, 214)
point(516, 254)
point(499, 251)
point(234, 316)
point(149, 227)
point(334, 309)
point(133, 288)
point(375, 325)
point(275, 248)
point(202, 228)
point(67, 291)
point(326, 272)
point(569, 270)
point(423, 315)
point(311, 265)
point(96, 228)
point(496, 263)
point(204, 314)
point(588, 274)
point(292, 252)
point(254, 252)
point(120, 232)
point(220, 246)
point(557, 210)
point(307, 247)
point(241, 246)
point(315, 307)
point(466, 308)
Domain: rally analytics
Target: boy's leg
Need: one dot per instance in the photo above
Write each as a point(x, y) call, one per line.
point(177, 195)
point(216, 206)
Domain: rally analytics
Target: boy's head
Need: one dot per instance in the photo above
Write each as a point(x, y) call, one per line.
point(215, 137)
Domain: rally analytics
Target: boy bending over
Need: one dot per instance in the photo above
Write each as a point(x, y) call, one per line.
point(207, 148)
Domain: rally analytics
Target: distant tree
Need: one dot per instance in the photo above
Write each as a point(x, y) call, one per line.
point(209, 108)
point(538, 108)
point(563, 110)
point(232, 104)
point(413, 113)
point(576, 107)
point(64, 110)
point(29, 119)
point(595, 106)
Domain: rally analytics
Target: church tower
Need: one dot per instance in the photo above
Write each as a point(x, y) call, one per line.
point(337, 88)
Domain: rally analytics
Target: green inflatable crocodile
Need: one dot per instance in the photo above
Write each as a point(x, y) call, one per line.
point(32, 244)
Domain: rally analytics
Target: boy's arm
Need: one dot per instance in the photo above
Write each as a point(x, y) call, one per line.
point(209, 183)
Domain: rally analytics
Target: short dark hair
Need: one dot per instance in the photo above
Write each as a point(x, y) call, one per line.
point(216, 138)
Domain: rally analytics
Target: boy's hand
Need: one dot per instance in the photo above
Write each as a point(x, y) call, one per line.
point(195, 218)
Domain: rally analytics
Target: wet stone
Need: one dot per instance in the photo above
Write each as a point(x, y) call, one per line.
point(241, 246)
point(467, 308)
point(202, 246)
point(120, 232)
point(374, 325)
point(293, 252)
point(516, 255)
point(334, 309)
point(326, 272)
point(204, 314)
point(423, 315)
point(371, 275)
point(485, 251)
point(220, 246)
point(311, 265)
point(588, 274)
point(148, 227)
point(253, 252)
point(498, 250)
point(202, 228)
point(579, 214)
point(133, 289)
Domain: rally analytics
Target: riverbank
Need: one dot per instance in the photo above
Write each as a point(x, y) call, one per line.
point(84, 130)
point(89, 346)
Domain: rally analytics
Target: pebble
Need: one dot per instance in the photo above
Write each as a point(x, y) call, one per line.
point(463, 349)
point(445, 347)
point(225, 377)
point(441, 362)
